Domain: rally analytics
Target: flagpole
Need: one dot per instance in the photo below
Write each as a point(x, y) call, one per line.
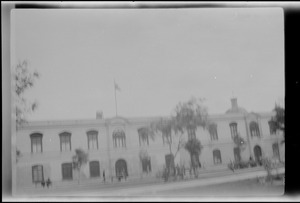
point(116, 98)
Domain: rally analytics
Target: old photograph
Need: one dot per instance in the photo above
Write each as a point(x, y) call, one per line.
point(148, 103)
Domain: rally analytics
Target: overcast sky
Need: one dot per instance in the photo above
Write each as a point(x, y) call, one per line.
point(158, 57)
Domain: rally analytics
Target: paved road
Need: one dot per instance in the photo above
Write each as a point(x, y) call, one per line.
point(239, 188)
point(147, 188)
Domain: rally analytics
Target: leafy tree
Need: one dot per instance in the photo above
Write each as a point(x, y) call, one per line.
point(239, 142)
point(188, 117)
point(277, 121)
point(165, 127)
point(79, 159)
point(24, 79)
point(194, 147)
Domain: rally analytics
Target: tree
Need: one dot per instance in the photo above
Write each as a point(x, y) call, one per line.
point(277, 121)
point(188, 117)
point(194, 147)
point(79, 159)
point(24, 79)
point(239, 142)
point(165, 126)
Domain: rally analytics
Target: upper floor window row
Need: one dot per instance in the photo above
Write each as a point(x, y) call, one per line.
point(191, 134)
point(65, 141)
point(36, 143)
point(119, 138)
point(233, 129)
point(143, 136)
point(92, 137)
point(213, 131)
point(254, 129)
point(272, 127)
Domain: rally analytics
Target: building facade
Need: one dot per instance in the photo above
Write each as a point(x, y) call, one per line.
point(114, 146)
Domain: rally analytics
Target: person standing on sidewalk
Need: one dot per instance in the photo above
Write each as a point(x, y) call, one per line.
point(103, 175)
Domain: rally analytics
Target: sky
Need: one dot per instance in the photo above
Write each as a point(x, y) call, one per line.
point(158, 57)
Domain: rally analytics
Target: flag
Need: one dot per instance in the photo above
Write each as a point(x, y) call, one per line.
point(117, 87)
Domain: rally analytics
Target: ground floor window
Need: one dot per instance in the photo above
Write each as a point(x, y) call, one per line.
point(275, 150)
point(217, 157)
point(37, 173)
point(146, 165)
point(237, 154)
point(94, 169)
point(67, 171)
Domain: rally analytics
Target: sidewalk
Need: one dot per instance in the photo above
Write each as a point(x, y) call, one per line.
point(193, 183)
point(151, 186)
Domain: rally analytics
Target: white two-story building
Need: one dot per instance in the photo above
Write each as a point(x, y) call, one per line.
point(114, 145)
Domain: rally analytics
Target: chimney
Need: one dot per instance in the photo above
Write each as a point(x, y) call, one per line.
point(234, 104)
point(99, 115)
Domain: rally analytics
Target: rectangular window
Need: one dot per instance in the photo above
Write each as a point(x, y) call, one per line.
point(275, 150)
point(146, 165)
point(65, 142)
point(237, 154)
point(271, 127)
point(144, 141)
point(213, 132)
point(233, 129)
point(94, 169)
point(36, 143)
point(191, 134)
point(217, 157)
point(67, 171)
point(93, 141)
point(37, 173)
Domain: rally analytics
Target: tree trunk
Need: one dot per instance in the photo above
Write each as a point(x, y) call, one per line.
point(78, 176)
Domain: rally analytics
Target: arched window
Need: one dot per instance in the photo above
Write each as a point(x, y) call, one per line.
point(65, 141)
point(233, 129)
point(217, 156)
point(213, 131)
point(143, 136)
point(254, 130)
point(92, 137)
point(94, 169)
point(119, 138)
point(36, 142)
point(121, 168)
point(37, 173)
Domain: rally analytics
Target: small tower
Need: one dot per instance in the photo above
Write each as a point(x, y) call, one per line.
point(234, 104)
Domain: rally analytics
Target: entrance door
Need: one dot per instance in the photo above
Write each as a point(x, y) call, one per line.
point(257, 153)
point(121, 168)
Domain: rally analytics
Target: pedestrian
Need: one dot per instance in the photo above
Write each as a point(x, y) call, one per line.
point(43, 183)
point(104, 175)
point(48, 182)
